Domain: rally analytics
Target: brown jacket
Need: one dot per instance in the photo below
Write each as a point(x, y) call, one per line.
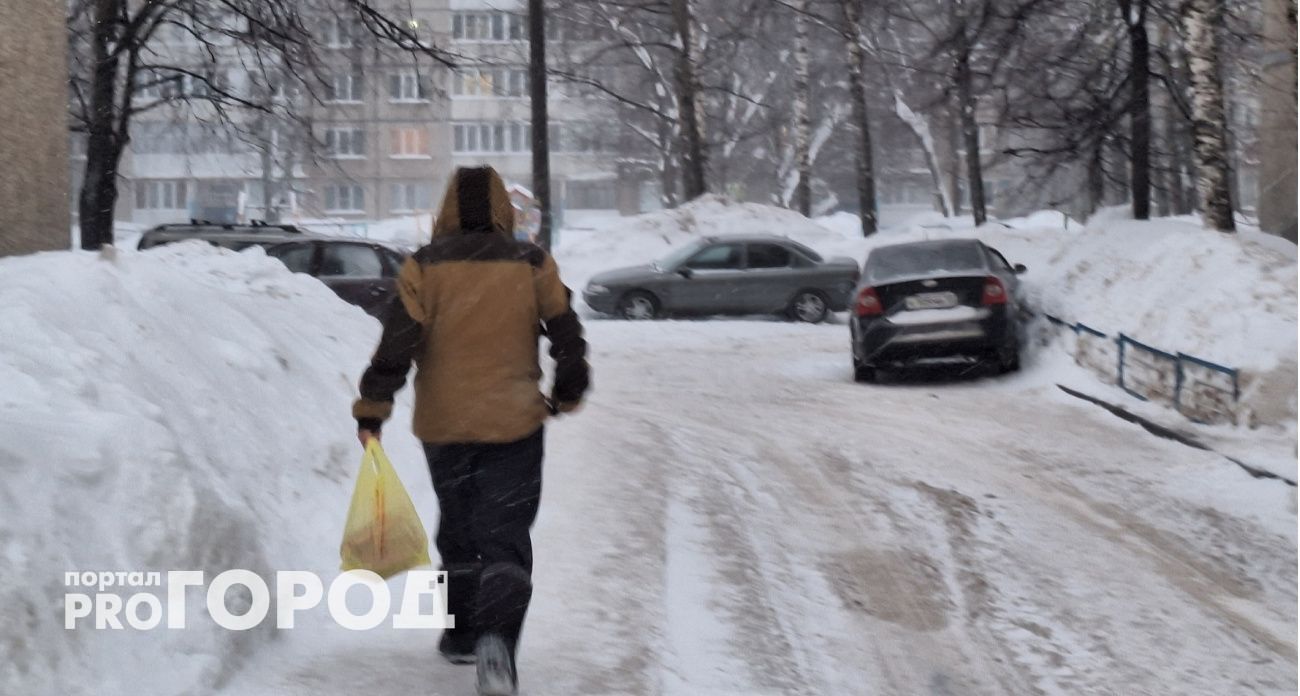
point(471, 306)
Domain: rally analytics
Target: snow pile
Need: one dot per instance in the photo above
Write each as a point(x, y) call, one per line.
point(185, 408)
point(1177, 286)
point(1173, 285)
point(638, 240)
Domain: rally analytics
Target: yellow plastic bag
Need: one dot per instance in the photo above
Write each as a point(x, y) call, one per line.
point(383, 532)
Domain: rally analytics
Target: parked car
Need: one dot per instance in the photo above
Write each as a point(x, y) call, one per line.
point(231, 236)
point(728, 275)
point(936, 299)
point(361, 273)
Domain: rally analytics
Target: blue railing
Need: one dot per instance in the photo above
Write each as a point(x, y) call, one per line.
point(1200, 389)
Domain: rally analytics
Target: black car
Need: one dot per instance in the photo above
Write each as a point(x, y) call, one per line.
point(936, 299)
point(230, 236)
point(362, 273)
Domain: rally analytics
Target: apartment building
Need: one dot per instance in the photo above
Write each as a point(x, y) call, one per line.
point(384, 129)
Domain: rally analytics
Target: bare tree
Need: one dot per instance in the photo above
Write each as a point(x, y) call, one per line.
point(694, 156)
point(1203, 20)
point(857, 68)
point(120, 69)
point(1134, 14)
point(802, 113)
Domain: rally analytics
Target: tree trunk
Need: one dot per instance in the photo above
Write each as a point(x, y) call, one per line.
point(540, 119)
point(858, 93)
point(802, 116)
point(970, 131)
point(1135, 18)
point(694, 180)
point(103, 145)
point(954, 160)
point(1164, 169)
point(1096, 179)
point(1201, 21)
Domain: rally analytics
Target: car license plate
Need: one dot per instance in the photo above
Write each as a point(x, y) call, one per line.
point(932, 300)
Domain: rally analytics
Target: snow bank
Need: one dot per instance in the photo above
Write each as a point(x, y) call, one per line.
point(637, 240)
point(181, 408)
point(1230, 299)
point(1172, 284)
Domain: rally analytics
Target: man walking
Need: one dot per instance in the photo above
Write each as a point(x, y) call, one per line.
point(471, 306)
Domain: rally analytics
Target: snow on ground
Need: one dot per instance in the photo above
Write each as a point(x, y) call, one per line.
point(1170, 283)
point(183, 408)
point(730, 513)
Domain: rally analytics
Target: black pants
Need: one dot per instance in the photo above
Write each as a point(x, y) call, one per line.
point(488, 494)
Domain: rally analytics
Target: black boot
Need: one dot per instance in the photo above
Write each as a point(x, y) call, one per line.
point(503, 596)
point(457, 647)
point(496, 667)
point(457, 644)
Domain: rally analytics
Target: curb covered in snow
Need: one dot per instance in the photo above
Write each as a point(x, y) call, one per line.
point(1171, 434)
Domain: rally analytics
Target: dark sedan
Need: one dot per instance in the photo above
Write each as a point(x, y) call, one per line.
point(936, 299)
point(728, 275)
point(361, 273)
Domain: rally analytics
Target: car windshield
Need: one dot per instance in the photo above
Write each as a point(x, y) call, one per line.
point(912, 260)
point(678, 256)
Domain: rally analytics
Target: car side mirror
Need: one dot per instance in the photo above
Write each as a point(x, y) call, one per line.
point(1020, 268)
point(686, 273)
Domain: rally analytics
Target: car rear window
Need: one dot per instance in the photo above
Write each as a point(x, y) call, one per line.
point(912, 260)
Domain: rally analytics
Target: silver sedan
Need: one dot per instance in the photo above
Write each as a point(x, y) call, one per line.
point(729, 275)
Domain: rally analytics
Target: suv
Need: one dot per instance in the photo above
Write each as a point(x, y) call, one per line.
point(231, 236)
point(360, 272)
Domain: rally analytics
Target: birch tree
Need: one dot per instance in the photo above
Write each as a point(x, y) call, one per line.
point(802, 112)
point(1202, 21)
point(857, 68)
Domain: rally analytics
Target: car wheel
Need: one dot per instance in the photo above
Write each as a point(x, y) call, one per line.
point(1009, 361)
point(809, 306)
point(864, 373)
point(638, 306)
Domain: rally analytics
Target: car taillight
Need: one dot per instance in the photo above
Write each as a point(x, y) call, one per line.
point(995, 293)
point(868, 304)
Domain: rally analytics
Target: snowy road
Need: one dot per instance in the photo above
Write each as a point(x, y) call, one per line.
point(732, 515)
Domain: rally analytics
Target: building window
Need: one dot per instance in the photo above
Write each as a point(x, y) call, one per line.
point(345, 198)
point(409, 197)
point(161, 195)
point(340, 33)
point(491, 137)
point(490, 82)
point(408, 86)
point(345, 143)
point(344, 87)
point(488, 26)
point(410, 142)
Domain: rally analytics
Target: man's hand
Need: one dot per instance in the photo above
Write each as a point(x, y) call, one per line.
point(365, 436)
